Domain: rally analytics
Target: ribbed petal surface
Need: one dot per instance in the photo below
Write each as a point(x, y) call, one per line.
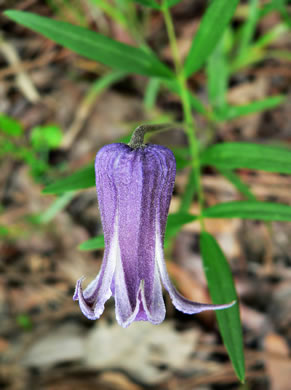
point(138, 292)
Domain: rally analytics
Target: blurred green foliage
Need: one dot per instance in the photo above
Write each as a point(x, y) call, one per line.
point(34, 151)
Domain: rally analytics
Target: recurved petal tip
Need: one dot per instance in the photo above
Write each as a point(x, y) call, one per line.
point(77, 288)
point(181, 303)
point(225, 306)
point(86, 308)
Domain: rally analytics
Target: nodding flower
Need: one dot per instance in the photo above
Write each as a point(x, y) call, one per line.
point(134, 188)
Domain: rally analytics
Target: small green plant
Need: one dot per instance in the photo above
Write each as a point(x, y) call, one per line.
point(222, 51)
point(34, 152)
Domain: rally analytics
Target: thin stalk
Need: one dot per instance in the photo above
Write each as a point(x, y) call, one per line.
point(190, 126)
point(137, 138)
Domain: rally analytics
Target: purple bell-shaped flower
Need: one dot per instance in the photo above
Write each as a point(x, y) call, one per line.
point(134, 189)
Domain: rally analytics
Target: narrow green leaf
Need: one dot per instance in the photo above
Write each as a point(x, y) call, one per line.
point(277, 5)
point(238, 183)
point(104, 82)
point(58, 205)
point(84, 178)
point(217, 86)
point(248, 28)
point(151, 93)
point(273, 5)
point(93, 45)
point(233, 155)
point(212, 26)
point(270, 36)
point(222, 290)
point(174, 224)
point(182, 157)
point(10, 126)
point(257, 51)
point(246, 209)
point(149, 3)
point(232, 112)
point(93, 244)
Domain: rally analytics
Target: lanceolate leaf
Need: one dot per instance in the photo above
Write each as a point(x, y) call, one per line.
point(222, 290)
point(175, 223)
point(151, 93)
point(211, 28)
point(84, 178)
point(249, 27)
point(264, 211)
point(238, 183)
point(232, 112)
point(56, 207)
point(93, 45)
point(233, 155)
point(182, 157)
point(217, 86)
point(92, 244)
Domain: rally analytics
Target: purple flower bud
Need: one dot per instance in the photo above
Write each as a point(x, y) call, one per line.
point(134, 188)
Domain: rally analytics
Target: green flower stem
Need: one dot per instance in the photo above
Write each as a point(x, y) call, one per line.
point(190, 126)
point(137, 138)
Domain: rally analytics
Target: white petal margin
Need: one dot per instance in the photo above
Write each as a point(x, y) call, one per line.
point(125, 315)
point(181, 303)
point(93, 298)
point(157, 311)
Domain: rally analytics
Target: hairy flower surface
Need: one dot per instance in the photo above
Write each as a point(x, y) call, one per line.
point(134, 189)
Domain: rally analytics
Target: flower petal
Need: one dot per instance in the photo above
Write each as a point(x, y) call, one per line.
point(181, 303)
point(84, 306)
point(105, 163)
point(166, 185)
point(155, 310)
point(125, 311)
point(93, 298)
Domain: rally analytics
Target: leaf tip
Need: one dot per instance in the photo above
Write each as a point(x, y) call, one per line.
point(9, 13)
